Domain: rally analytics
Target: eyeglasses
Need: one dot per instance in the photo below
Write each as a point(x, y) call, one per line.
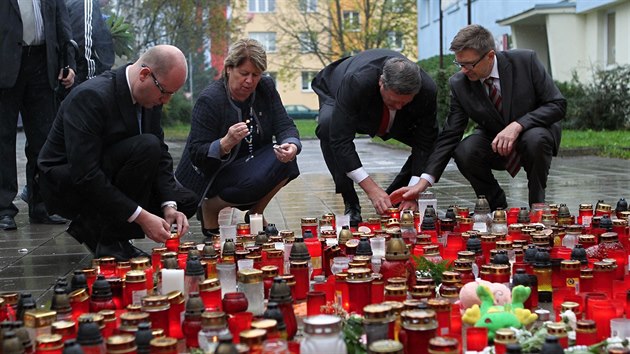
point(470, 66)
point(157, 83)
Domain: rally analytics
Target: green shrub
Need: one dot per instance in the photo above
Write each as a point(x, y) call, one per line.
point(440, 76)
point(602, 104)
point(177, 110)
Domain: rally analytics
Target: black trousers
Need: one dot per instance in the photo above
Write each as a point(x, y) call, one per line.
point(476, 160)
point(33, 97)
point(343, 184)
point(131, 165)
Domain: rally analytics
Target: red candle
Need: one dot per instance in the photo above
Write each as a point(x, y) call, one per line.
point(585, 332)
point(602, 314)
point(378, 289)
point(309, 224)
point(157, 307)
point(359, 282)
point(299, 269)
point(210, 293)
point(107, 266)
point(314, 302)
point(172, 243)
point(442, 310)
point(135, 287)
point(476, 338)
point(175, 314)
point(341, 290)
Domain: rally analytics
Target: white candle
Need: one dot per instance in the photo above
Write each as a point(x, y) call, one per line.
point(255, 223)
point(172, 279)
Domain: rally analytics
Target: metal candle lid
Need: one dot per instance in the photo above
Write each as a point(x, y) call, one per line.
point(322, 324)
point(419, 319)
point(377, 313)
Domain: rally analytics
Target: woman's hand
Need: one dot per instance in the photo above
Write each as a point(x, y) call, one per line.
point(234, 135)
point(285, 152)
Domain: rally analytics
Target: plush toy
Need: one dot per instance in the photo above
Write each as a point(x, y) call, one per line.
point(468, 293)
point(494, 316)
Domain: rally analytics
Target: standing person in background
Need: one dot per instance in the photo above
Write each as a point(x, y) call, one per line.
point(381, 93)
point(518, 109)
point(93, 36)
point(230, 158)
point(33, 34)
point(105, 164)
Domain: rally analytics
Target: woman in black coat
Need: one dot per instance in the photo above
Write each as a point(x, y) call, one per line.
point(231, 157)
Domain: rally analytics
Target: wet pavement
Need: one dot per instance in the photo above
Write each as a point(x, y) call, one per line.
point(32, 257)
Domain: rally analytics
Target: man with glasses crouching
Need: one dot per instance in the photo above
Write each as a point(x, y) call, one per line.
point(517, 109)
point(105, 164)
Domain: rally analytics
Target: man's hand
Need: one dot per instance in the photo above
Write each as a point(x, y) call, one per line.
point(505, 141)
point(285, 152)
point(377, 195)
point(154, 226)
point(172, 216)
point(67, 81)
point(408, 205)
point(409, 193)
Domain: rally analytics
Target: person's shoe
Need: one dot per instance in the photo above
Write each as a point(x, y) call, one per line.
point(38, 214)
point(7, 222)
point(24, 194)
point(353, 210)
point(210, 232)
point(79, 232)
point(121, 250)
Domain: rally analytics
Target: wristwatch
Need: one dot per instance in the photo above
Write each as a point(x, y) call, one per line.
point(171, 205)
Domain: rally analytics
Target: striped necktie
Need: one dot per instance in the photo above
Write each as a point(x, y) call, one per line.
point(513, 164)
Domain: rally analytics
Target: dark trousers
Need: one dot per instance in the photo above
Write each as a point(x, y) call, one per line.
point(33, 97)
point(131, 165)
point(476, 160)
point(343, 184)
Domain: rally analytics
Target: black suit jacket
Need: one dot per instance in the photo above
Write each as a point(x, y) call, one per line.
point(57, 32)
point(96, 115)
point(529, 97)
point(351, 86)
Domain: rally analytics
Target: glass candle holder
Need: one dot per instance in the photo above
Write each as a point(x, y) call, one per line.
point(157, 307)
point(476, 338)
point(135, 287)
point(299, 269)
point(176, 312)
point(359, 282)
point(227, 277)
point(250, 282)
point(210, 293)
point(585, 332)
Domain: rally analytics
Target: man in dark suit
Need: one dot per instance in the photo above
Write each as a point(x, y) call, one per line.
point(380, 93)
point(105, 164)
point(517, 108)
point(32, 37)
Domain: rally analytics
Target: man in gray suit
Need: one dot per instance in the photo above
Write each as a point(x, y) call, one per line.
point(517, 108)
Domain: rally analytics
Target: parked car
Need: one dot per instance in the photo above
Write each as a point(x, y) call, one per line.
point(300, 111)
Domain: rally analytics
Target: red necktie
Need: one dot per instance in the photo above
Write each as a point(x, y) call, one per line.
point(513, 164)
point(382, 129)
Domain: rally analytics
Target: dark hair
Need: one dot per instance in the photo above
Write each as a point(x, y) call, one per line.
point(246, 49)
point(402, 76)
point(473, 37)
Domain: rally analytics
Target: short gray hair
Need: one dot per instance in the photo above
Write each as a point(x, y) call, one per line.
point(402, 76)
point(245, 49)
point(473, 37)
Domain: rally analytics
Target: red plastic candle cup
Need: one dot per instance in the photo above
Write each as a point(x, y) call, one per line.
point(239, 322)
point(314, 302)
point(476, 338)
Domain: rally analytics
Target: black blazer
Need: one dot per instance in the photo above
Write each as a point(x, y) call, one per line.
point(96, 115)
point(529, 97)
point(57, 32)
point(351, 86)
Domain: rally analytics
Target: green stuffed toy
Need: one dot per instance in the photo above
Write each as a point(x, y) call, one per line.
point(496, 317)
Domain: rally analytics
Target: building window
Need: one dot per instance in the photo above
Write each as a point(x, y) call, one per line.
point(267, 39)
point(424, 12)
point(351, 21)
point(395, 40)
point(261, 5)
point(395, 6)
point(308, 5)
point(611, 48)
point(307, 77)
point(308, 42)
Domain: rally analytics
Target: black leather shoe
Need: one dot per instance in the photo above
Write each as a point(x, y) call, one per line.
point(210, 232)
point(121, 250)
point(7, 222)
point(83, 235)
point(354, 211)
point(47, 219)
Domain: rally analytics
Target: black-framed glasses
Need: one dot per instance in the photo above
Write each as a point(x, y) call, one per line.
point(157, 83)
point(469, 66)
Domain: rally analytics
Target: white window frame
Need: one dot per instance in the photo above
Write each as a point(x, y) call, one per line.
point(352, 18)
point(308, 44)
point(267, 39)
point(308, 6)
point(611, 37)
point(261, 6)
point(307, 77)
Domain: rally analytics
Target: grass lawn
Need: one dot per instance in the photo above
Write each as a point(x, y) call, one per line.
point(604, 143)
